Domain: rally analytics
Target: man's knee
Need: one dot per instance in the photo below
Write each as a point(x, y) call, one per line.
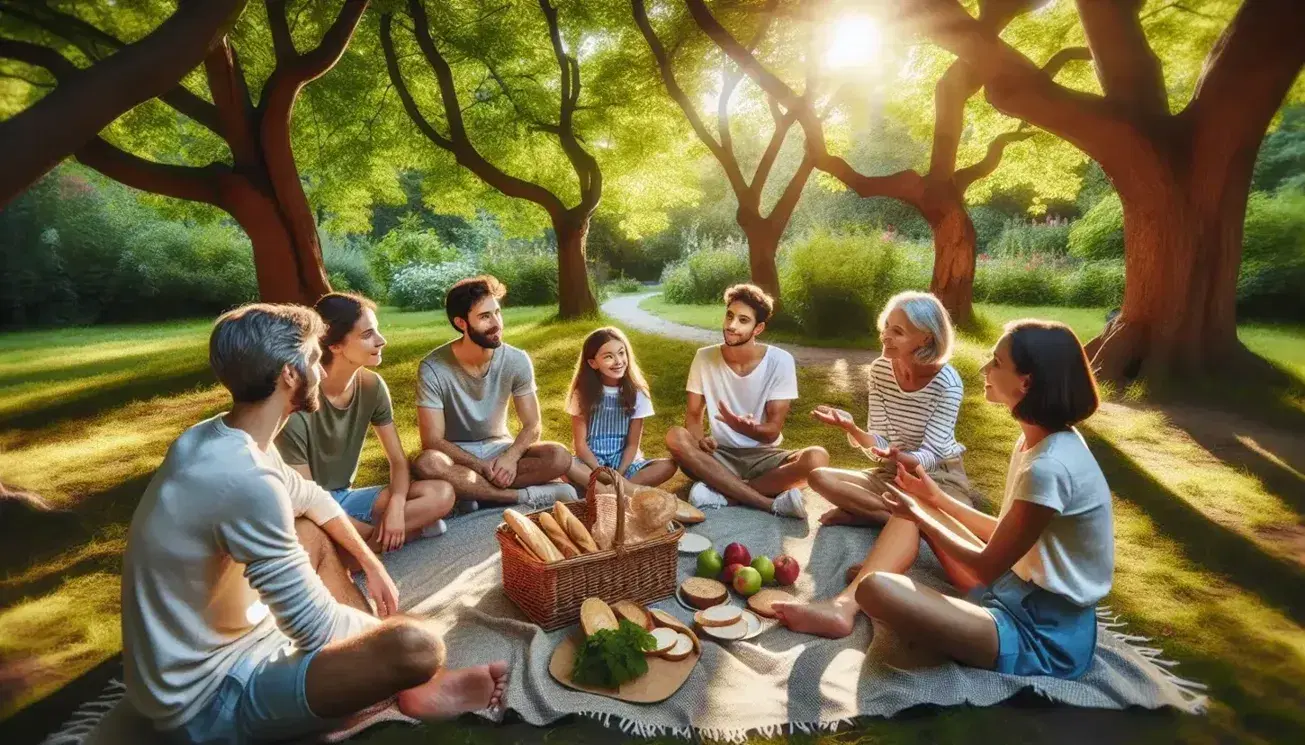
point(412, 648)
point(813, 457)
point(677, 441)
point(556, 457)
point(876, 592)
point(821, 479)
point(431, 465)
point(440, 493)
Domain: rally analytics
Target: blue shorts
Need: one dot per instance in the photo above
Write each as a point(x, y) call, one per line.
point(1039, 632)
point(358, 503)
point(261, 699)
point(635, 467)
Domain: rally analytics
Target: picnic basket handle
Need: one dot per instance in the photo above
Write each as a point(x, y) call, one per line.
point(591, 494)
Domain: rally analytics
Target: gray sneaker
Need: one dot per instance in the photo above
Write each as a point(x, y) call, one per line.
point(543, 495)
point(790, 504)
point(706, 498)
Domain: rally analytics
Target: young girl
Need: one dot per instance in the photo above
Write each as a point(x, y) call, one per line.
point(324, 442)
point(608, 403)
point(1032, 575)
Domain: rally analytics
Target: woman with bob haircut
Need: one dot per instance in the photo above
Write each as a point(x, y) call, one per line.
point(914, 399)
point(1032, 575)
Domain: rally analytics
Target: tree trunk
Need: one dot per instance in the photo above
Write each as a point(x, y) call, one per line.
point(954, 247)
point(1182, 251)
point(286, 272)
point(573, 294)
point(763, 245)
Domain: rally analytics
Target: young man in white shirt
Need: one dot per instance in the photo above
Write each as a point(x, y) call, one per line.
point(240, 623)
point(746, 389)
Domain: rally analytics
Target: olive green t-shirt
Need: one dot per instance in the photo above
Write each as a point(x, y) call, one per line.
point(330, 440)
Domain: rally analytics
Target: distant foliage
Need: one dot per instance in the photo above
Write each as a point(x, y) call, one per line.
point(530, 273)
point(423, 286)
point(406, 245)
point(836, 285)
point(1099, 234)
point(702, 276)
point(348, 266)
point(1019, 239)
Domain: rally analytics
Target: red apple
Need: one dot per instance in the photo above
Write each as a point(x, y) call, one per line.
point(737, 553)
point(727, 576)
point(786, 570)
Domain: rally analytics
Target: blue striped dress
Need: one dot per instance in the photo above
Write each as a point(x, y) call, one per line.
point(609, 427)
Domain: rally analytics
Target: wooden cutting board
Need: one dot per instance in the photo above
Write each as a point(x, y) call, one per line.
point(662, 680)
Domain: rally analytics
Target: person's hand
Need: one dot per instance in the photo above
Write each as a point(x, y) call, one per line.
point(888, 454)
point(381, 587)
point(503, 470)
point(902, 505)
point(833, 417)
point(918, 484)
point(707, 444)
point(391, 532)
point(485, 468)
point(744, 425)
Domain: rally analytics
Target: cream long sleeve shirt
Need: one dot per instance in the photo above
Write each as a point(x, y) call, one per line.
point(214, 571)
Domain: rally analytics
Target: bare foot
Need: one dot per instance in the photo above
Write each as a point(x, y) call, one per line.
point(454, 692)
point(832, 618)
point(850, 575)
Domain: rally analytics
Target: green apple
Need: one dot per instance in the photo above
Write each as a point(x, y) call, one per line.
point(747, 581)
point(764, 566)
point(710, 563)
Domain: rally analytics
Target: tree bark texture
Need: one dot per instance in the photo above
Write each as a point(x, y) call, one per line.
point(88, 100)
point(574, 297)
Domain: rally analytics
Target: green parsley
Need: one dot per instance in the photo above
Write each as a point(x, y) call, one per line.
point(610, 657)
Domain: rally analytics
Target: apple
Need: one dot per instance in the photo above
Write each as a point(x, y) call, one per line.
point(747, 581)
point(731, 570)
point(786, 570)
point(765, 568)
point(737, 553)
point(709, 564)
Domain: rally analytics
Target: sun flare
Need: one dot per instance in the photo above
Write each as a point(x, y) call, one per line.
point(854, 42)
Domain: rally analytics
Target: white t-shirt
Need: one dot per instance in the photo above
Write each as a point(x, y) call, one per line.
point(1075, 555)
point(643, 407)
point(773, 379)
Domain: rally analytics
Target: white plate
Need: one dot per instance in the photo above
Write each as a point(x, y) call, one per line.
point(692, 543)
point(754, 627)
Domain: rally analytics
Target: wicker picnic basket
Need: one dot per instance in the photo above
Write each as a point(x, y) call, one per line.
point(550, 594)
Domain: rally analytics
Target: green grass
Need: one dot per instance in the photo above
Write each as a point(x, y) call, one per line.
point(86, 415)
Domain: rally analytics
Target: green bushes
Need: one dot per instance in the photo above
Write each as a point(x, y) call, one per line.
point(623, 286)
point(1019, 281)
point(348, 266)
point(702, 276)
point(529, 273)
point(1022, 240)
point(405, 245)
point(423, 286)
point(833, 284)
point(1100, 233)
point(1271, 283)
point(1095, 284)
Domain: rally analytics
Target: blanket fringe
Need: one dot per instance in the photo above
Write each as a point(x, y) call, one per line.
point(84, 720)
point(1192, 692)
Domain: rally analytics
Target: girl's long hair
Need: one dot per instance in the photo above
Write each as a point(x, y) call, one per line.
point(587, 385)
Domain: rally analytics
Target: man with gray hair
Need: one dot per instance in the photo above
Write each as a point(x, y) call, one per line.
point(240, 623)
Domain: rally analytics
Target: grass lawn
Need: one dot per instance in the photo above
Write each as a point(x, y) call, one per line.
point(1206, 562)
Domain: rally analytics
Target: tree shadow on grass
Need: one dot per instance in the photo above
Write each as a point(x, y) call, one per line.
point(22, 547)
point(1202, 541)
point(92, 400)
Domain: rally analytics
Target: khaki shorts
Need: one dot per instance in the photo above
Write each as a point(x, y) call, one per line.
point(749, 463)
point(949, 476)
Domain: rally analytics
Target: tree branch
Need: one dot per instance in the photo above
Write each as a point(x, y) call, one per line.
point(586, 168)
point(1129, 71)
point(283, 44)
point(312, 65)
point(966, 177)
point(180, 182)
point(457, 143)
point(226, 83)
point(1065, 56)
point(783, 209)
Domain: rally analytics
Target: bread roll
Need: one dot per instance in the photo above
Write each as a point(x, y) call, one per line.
point(557, 535)
point(650, 511)
point(595, 615)
point(532, 536)
point(634, 613)
point(574, 528)
point(687, 513)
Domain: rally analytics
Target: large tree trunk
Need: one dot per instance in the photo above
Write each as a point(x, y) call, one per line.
point(954, 247)
point(763, 245)
point(35, 140)
point(573, 294)
point(1183, 245)
point(287, 259)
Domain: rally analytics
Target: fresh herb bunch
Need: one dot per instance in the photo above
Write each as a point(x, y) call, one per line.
point(610, 657)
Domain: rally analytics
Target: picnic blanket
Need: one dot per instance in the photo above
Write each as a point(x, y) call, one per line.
point(777, 682)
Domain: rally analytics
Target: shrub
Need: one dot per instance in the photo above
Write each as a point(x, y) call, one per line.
point(1100, 233)
point(529, 273)
point(348, 266)
point(1022, 240)
point(423, 286)
point(1095, 284)
point(407, 245)
point(833, 285)
point(623, 285)
point(1034, 281)
point(175, 269)
point(988, 224)
point(702, 276)
point(1275, 227)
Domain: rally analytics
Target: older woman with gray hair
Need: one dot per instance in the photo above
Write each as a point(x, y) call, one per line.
point(915, 396)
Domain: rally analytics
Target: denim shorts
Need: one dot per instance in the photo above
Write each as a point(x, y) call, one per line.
point(358, 503)
point(1039, 632)
point(639, 463)
point(261, 699)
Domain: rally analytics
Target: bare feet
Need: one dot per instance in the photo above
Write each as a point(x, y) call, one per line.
point(840, 516)
point(454, 692)
point(832, 618)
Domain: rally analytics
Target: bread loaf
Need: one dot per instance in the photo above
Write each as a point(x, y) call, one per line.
point(532, 536)
point(687, 513)
point(574, 528)
point(557, 535)
point(634, 613)
point(702, 592)
point(595, 615)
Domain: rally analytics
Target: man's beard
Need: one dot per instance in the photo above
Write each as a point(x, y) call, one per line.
point(483, 341)
point(743, 340)
point(305, 398)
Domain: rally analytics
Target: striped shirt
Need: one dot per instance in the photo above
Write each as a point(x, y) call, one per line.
point(919, 423)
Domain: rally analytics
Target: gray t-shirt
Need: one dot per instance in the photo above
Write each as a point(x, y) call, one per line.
point(474, 408)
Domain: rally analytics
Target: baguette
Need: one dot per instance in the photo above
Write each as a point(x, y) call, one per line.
point(574, 528)
point(595, 615)
point(557, 535)
point(687, 513)
point(634, 613)
point(532, 536)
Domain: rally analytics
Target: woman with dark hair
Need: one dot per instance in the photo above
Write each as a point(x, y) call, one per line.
point(1034, 574)
point(325, 445)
